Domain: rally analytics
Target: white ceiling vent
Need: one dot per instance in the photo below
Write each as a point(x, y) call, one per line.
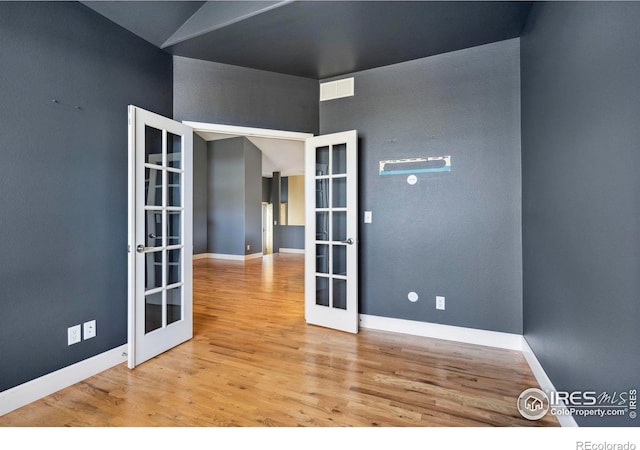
point(336, 89)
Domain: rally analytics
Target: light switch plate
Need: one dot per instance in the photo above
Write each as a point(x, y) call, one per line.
point(368, 216)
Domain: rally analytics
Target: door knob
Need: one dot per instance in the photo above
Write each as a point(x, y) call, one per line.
point(140, 248)
point(348, 241)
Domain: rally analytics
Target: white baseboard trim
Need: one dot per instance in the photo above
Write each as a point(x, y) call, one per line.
point(543, 380)
point(227, 256)
point(33, 390)
point(447, 332)
point(292, 250)
point(470, 336)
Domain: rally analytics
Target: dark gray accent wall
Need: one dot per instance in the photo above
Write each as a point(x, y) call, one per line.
point(218, 93)
point(284, 189)
point(226, 197)
point(253, 198)
point(266, 190)
point(63, 179)
point(290, 236)
point(200, 194)
point(234, 197)
point(454, 234)
point(581, 208)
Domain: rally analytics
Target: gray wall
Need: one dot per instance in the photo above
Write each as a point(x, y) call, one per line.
point(454, 234)
point(63, 179)
point(200, 194)
point(284, 189)
point(581, 209)
point(290, 236)
point(234, 197)
point(218, 93)
point(266, 190)
point(226, 197)
point(253, 197)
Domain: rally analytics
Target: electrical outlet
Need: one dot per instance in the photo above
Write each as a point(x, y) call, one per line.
point(439, 302)
point(89, 329)
point(73, 335)
point(248, 246)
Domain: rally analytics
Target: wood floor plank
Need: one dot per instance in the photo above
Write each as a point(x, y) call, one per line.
point(254, 362)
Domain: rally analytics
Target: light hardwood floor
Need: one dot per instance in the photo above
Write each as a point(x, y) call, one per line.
point(254, 362)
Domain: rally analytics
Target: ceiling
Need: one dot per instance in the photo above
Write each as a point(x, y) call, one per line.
point(316, 39)
point(278, 155)
point(313, 39)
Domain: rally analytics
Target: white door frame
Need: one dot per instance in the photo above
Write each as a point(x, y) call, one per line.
point(347, 324)
point(238, 131)
point(233, 131)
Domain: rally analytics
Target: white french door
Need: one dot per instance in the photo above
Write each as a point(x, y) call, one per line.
point(331, 231)
point(160, 228)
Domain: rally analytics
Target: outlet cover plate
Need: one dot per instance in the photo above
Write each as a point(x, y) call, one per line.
point(73, 335)
point(439, 302)
point(89, 330)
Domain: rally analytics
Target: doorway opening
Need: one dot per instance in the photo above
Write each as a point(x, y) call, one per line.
point(263, 227)
point(267, 228)
point(328, 164)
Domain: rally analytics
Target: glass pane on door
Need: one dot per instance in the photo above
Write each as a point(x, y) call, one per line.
point(322, 258)
point(322, 226)
point(153, 270)
point(339, 157)
point(339, 224)
point(174, 305)
point(153, 312)
point(174, 150)
point(153, 187)
point(173, 227)
point(339, 293)
point(322, 291)
point(339, 192)
point(339, 259)
point(174, 192)
point(174, 266)
point(322, 161)
point(322, 193)
point(153, 228)
point(152, 145)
